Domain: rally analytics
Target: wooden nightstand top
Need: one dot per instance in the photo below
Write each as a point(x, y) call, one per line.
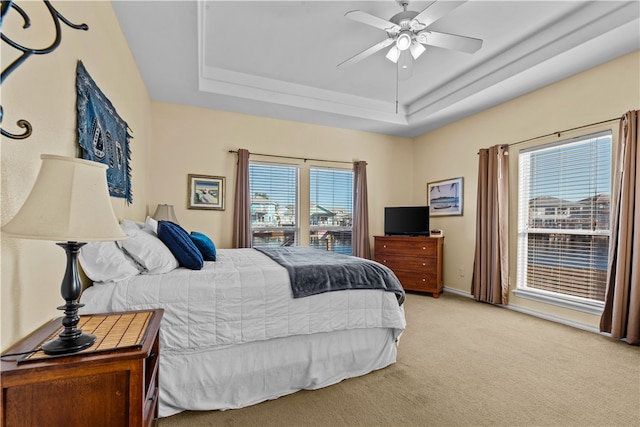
point(122, 333)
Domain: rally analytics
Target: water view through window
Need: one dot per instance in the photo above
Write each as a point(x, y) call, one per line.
point(331, 209)
point(275, 210)
point(564, 206)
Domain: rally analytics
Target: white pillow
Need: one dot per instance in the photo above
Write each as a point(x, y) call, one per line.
point(104, 261)
point(151, 224)
point(148, 251)
point(127, 224)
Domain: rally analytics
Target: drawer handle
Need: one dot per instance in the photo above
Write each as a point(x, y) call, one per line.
point(424, 248)
point(424, 280)
point(424, 264)
point(384, 261)
point(384, 246)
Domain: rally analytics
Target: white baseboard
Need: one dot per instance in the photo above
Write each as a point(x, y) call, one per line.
point(535, 313)
point(458, 292)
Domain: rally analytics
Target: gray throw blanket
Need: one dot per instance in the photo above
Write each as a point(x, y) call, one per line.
point(314, 271)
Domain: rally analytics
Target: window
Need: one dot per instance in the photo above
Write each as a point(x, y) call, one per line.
point(331, 209)
point(563, 221)
point(274, 206)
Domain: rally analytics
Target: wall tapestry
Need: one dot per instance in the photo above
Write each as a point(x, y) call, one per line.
point(102, 134)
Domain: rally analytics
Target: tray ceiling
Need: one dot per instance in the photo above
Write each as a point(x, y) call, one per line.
point(279, 58)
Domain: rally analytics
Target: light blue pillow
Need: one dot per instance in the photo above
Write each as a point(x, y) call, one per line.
point(205, 245)
point(180, 245)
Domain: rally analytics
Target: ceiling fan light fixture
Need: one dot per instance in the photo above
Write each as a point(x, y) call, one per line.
point(403, 42)
point(393, 54)
point(416, 50)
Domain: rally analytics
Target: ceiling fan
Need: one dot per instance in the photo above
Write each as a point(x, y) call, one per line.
point(408, 32)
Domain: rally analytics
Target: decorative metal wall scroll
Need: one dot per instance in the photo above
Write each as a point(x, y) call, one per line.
point(27, 52)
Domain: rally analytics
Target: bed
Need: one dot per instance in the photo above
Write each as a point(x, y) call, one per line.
point(233, 334)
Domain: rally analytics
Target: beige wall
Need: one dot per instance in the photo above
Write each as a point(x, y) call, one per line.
point(189, 140)
point(42, 91)
point(604, 92)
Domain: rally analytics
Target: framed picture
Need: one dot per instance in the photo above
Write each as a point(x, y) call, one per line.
point(206, 192)
point(445, 197)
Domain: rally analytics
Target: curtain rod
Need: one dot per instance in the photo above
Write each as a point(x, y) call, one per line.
point(295, 158)
point(558, 133)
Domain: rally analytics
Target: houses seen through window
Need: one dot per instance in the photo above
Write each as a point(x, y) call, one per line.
point(563, 218)
point(331, 209)
point(274, 204)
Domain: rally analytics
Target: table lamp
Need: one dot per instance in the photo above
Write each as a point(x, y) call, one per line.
point(165, 213)
point(70, 204)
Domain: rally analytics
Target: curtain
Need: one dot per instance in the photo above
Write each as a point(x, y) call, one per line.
point(490, 281)
point(242, 203)
point(621, 315)
point(360, 229)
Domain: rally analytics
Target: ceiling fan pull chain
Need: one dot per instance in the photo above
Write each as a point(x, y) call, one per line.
point(397, 83)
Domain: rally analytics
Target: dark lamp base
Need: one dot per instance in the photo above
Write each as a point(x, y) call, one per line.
point(62, 346)
point(71, 339)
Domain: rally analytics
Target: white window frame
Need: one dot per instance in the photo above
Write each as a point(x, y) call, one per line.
point(563, 300)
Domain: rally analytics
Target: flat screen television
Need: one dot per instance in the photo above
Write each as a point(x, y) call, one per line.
point(406, 220)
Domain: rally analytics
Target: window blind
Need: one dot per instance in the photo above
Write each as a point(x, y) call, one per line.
point(274, 204)
point(331, 209)
point(563, 217)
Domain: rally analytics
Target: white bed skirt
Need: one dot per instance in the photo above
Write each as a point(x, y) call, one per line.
point(251, 373)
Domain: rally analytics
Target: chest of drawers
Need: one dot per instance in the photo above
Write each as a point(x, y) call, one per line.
point(416, 261)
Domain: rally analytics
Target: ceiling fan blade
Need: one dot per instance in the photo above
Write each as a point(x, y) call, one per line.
point(433, 12)
point(452, 41)
point(367, 52)
point(374, 21)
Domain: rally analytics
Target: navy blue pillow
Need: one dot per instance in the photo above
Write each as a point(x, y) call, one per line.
point(205, 245)
point(180, 245)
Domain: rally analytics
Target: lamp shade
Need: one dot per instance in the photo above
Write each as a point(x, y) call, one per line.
point(165, 213)
point(68, 202)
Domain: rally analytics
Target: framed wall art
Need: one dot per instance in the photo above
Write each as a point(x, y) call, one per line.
point(445, 197)
point(206, 192)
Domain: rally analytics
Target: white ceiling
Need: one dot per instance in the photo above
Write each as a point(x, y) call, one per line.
point(279, 58)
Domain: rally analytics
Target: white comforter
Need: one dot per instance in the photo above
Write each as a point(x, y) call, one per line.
point(242, 297)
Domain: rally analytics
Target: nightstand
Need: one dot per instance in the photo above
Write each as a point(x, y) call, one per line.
point(112, 383)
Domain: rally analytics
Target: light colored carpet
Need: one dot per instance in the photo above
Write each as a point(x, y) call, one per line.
point(463, 363)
